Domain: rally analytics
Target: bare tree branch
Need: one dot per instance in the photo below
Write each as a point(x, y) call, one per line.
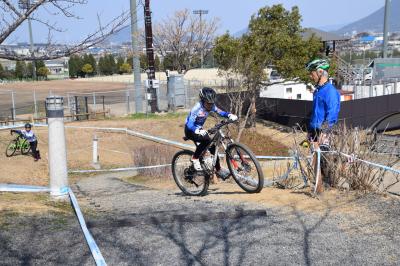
point(12, 8)
point(14, 25)
point(14, 17)
point(182, 36)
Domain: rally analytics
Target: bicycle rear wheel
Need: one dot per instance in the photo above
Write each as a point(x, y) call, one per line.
point(244, 167)
point(25, 147)
point(11, 148)
point(189, 181)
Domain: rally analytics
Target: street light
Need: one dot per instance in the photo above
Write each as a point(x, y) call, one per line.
point(201, 12)
point(26, 5)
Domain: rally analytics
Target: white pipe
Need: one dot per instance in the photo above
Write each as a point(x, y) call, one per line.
point(95, 150)
point(57, 148)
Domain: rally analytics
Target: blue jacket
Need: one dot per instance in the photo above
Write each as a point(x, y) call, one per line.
point(198, 115)
point(326, 106)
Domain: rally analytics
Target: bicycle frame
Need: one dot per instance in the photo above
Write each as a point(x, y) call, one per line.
point(217, 140)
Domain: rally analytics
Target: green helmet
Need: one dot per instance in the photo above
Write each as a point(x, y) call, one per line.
point(317, 64)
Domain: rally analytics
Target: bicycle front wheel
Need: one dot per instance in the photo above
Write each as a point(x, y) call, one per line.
point(11, 148)
point(244, 167)
point(189, 181)
point(25, 147)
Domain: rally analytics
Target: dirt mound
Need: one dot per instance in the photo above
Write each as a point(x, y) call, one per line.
point(263, 145)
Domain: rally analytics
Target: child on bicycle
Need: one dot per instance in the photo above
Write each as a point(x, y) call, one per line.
point(195, 132)
point(28, 134)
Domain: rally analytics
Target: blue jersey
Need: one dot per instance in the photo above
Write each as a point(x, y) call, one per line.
point(326, 106)
point(198, 115)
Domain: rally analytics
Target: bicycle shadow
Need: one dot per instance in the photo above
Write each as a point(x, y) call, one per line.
point(218, 191)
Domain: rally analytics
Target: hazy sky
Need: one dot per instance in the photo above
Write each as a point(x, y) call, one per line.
point(234, 14)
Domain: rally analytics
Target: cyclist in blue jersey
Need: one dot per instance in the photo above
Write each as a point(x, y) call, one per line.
point(31, 138)
point(194, 127)
point(326, 100)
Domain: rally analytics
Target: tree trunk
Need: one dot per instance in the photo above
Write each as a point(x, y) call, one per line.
point(243, 124)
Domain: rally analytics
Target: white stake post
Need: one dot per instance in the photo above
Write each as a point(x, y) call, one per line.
point(57, 148)
point(95, 161)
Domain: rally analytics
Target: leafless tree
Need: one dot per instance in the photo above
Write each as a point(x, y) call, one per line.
point(13, 13)
point(184, 37)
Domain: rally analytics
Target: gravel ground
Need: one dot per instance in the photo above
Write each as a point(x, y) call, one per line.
point(137, 225)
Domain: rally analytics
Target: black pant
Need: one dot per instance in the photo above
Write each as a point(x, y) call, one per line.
point(35, 153)
point(201, 143)
point(313, 134)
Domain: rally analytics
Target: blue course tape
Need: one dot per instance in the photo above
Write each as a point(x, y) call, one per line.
point(385, 167)
point(157, 139)
point(96, 253)
point(22, 188)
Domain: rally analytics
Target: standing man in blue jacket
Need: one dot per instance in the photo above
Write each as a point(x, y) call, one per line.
point(325, 112)
point(326, 100)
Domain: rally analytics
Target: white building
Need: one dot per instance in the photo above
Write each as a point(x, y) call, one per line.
point(55, 69)
point(287, 90)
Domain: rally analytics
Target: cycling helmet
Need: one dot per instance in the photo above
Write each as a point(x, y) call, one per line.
point(207, 95)
point(27, 125)
point(317, 64)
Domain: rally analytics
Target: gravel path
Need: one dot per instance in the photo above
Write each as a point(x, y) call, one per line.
point(137, 225)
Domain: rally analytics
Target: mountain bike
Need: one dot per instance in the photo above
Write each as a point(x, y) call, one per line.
point(305, 169)
point(18, 144)
point(242, 163)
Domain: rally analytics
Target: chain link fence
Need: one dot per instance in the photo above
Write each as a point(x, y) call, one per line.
point(23, 104)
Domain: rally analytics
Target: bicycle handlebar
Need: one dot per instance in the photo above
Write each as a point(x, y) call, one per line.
point(220, 125)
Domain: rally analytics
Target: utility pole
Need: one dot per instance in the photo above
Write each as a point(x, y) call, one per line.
point(136, 59)
point(26, 4)
point(152, 86)
point(388, 4)
point(32, 49)
point(201, 12)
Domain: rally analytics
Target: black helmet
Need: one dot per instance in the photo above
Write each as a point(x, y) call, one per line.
point(207, 95)
point(27, 125)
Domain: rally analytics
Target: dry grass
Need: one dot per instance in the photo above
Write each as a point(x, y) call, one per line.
point(30, 204)
point(342, 172)
point(154, 155)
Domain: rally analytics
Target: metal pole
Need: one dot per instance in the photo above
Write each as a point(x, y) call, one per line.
point(13, 105)
point(35, 104)
point(386, 27)
point(201, 36)
point(76, 108)
point(152, 90)
point(32, 49)
point(57, 148)
point(86, 108)
point(201, 13)
point(94, 101)
point(128, 109)
point(136, 59)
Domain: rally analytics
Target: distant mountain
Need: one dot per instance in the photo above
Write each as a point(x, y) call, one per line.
point(331, 27)
point(374, 22)
point(122, 36)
